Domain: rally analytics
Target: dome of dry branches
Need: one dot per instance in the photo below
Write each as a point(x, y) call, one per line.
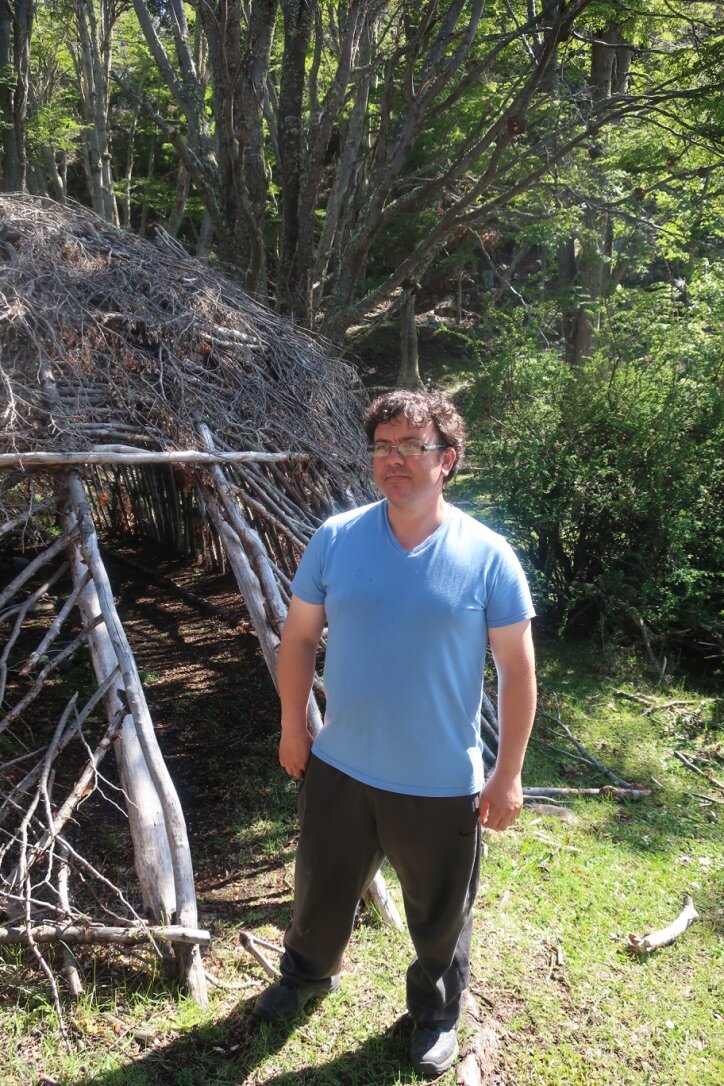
point(108, 338)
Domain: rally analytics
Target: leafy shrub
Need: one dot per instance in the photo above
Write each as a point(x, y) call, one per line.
point(610, 475)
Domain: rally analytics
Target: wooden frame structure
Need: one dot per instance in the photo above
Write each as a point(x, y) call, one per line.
point(140, 393)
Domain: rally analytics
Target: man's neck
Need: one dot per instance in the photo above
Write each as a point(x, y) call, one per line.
point(411, 525)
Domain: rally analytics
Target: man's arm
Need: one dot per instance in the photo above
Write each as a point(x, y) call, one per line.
point(295, 675)
point(501, 800)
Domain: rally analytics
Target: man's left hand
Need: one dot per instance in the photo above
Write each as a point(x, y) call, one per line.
point(501, 801)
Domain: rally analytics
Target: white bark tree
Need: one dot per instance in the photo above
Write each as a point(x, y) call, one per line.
point(93, 54)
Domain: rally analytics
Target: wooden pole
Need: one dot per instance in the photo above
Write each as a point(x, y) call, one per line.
point(151, 850)
point(127, 455)
point(91, 933)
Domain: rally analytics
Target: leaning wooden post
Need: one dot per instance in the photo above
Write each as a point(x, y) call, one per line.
point(186, 912)
point(261, 594)
point(151, 851)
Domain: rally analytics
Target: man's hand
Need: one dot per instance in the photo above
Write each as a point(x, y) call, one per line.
point(294, 748)
point(295, 675)
point(501, 801)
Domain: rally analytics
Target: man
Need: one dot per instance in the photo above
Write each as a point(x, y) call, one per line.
point(411, 590)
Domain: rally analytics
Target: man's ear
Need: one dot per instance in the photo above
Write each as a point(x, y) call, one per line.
point(449, 457)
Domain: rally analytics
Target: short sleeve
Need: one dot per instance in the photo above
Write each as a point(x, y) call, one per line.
point(509, 598)
point(308, 583)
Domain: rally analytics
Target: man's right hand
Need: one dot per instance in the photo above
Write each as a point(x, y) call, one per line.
point(294, 750)
point(295, 675)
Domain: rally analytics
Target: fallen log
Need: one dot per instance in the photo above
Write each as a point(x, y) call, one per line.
point(585, 754)
point(665, 936)
point(97, 934)
point(70, 965)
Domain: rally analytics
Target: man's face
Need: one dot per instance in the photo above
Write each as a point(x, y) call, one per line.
point(406, 481)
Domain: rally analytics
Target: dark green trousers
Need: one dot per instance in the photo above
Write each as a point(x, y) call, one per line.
point(346, 829)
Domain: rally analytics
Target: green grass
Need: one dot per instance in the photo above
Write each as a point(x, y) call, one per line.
point(550, 966)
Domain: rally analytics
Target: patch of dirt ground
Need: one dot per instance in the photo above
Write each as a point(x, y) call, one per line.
point(216, 713)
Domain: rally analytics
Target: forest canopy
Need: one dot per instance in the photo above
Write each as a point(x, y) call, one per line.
point(539, 180)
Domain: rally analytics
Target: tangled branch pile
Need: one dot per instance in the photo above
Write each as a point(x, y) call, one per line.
point(139, 340)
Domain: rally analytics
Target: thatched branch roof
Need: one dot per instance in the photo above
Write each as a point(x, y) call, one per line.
point(107, 338)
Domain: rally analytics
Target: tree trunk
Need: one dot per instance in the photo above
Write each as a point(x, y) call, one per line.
point(584, 264)
point(188, 90)
point(54, 178)
point(436, 68)
point(16, 28)
point(356, 132)
point(146, 207)
point(206, 237)
point(298, 23)
point(183, 186)
point(550, 80)
point(255, 70)
point(323, 118)
point(94, 65)
point(130, 162)
point(409, 373)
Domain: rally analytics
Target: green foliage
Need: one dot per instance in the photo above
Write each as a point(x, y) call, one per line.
point(608, 474)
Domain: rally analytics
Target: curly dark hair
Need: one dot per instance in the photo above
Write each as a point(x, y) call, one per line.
point(419, 408)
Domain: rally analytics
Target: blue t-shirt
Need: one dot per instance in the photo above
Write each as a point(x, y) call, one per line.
point(407, 634)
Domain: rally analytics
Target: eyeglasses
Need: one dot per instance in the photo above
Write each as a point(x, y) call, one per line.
point(411, 448)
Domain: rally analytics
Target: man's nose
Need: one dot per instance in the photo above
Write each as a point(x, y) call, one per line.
point(395, 454)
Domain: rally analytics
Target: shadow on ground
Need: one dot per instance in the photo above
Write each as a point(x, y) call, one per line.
point(228, 1052)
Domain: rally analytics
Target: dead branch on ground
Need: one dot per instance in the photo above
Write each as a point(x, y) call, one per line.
point(664, 937)
point(609, 790)
point(700, 772)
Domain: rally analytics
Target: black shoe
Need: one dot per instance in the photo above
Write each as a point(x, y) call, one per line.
point(433, 1049)
point(284, 1001)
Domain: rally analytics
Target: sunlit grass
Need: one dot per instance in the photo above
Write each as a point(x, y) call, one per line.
point(550, 966)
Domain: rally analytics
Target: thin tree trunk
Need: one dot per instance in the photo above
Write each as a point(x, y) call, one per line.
point(183, 185)
point(298, 24)
point(130, 158)
point(93, 60)
point(145, 209)
point(16, 28)
point(408, 375)
point(590, 266)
